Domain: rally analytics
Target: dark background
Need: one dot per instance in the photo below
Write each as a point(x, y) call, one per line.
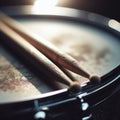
point(108, 8)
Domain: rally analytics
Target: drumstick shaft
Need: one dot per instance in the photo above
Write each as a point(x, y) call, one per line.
point(45, 47)
point(33, 55)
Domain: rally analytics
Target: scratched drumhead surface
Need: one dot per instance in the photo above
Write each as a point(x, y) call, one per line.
point(96, 50)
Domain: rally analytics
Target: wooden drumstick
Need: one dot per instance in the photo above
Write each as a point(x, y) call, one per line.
point(48, 49)
point(33, 55)
point(45, 47)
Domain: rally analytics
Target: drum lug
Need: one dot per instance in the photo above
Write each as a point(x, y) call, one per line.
point(86, 114)
point(40, 115)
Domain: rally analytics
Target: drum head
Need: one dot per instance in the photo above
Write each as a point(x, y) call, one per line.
point(91, 39)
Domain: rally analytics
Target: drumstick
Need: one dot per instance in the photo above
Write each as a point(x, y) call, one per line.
point(30, 52)
point(45, 47)
point(49, 49)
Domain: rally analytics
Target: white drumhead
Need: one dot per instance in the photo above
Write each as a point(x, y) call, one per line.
point(96, 50)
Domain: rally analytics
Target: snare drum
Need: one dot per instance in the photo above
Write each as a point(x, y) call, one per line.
point(93, 40)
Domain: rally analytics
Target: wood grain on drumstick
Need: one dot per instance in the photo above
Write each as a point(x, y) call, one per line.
point(49, 50)
point(45, 47)
point(30, 52)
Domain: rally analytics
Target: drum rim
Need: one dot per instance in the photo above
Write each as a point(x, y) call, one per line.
point(88, 17)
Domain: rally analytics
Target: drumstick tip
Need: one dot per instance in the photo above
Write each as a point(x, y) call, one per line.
point(75, 87)
point(94, 79)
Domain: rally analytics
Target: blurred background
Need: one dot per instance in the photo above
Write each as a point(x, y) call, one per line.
point(108, 8)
